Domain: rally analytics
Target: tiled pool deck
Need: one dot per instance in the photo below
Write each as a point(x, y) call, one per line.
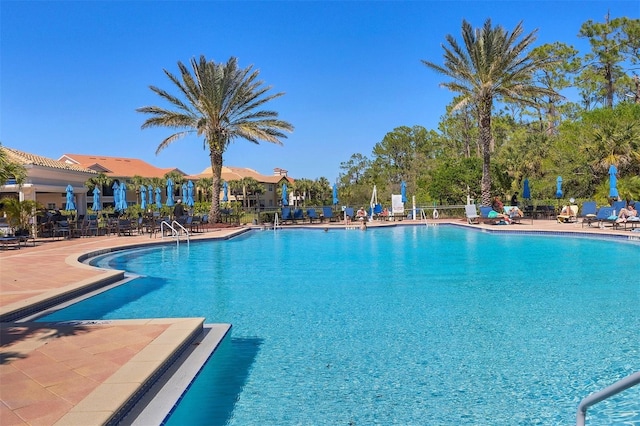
point(86, 373)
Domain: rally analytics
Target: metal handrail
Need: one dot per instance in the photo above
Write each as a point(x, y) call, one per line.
point(594, 398)
point(276, 222)
point(174, 232)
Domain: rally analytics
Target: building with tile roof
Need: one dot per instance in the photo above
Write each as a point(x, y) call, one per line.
point(270, 197)
point(118, 167)
point(47, 180)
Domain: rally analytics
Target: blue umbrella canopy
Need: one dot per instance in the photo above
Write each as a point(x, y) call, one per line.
point(559, 187)
point(613, 182)
point(285, 197)
point(184, 192)
point(335, 194)
point(189, 201)
point(116, 195)
point(225, 192)
point(526, 192)
point(122, 197)
point(97, 203)
point(403, 191)
point(158, 198)
point(70, 204)
point(170, 192)
point(143, 197)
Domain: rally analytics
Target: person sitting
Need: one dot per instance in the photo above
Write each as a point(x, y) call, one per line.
point(361, 214)
point(497, 205)
point(626, 213)
point(567, 213)
point(493, 214)
point(515, 212)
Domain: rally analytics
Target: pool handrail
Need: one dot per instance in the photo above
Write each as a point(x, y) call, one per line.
point(174, 232)
point(622, 384)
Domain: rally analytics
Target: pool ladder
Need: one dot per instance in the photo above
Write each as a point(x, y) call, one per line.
point(276, 222)
point(622, 384)
point(176, 230)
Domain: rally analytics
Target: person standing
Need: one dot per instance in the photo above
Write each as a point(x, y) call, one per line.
point(514, 199)
point(178, 210)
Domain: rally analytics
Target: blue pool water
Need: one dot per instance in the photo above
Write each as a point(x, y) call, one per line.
point(404, 325)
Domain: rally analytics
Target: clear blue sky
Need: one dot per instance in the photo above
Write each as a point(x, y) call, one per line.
point(73, 73)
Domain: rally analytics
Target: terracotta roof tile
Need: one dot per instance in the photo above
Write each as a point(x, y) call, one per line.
point(25, 158)
point(118, 166)
point(237, 173)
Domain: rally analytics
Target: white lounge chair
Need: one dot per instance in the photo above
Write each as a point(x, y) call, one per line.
point(472, 214)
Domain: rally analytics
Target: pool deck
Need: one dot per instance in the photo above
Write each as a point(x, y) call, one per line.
point(90, 372)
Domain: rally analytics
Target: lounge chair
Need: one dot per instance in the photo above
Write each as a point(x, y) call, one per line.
point(327, 214)
point(605, 215)
point(348, 211)
point(589, 211)
point(286, 215)
point(471, 213)
point(515, 218)
point(484, 216)
point(298, 215)
point(312, 215)
point(567, 217)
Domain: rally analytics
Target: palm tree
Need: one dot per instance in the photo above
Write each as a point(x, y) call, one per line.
point(100, 180)
point(204, 185)
point(494, 65)
point(138, 181)
point(221, 103)
point(9, 169)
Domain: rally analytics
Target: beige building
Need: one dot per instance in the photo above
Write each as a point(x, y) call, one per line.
point(119, 169)
point(269, 198)
point(47, 180)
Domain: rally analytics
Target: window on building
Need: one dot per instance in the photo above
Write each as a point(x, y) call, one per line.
point(51, 206)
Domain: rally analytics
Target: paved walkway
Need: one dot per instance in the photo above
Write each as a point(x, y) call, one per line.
point(85, 373)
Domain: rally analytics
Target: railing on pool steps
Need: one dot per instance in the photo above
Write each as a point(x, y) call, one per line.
point(276, 222)
point(176, 230)
point(622, 384)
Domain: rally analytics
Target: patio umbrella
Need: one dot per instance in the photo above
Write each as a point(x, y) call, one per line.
point(184, 192)
point(335, 194)
point(189, 201)
point(116, 194)
point(70, 204)
point(158, 198)
point(169, 192)
point(123, 197)
point(143, 197)
point(285, 198)
point(403, 191)
point(559, 187)
point(526, 192)
point(613, 182)
point(225, 192)
point(97, 203)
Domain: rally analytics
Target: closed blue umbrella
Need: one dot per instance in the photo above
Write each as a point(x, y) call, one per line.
point(526, 192)
point(403, 191)
point(97, 203)
point(123, 197)
point(116, 195)
point(189, 201)
point(225, 192)
point(70, 204)
point(170, 192)
point(158, 198)
point(335, 194)
point(285, 197)
point(184, 192)
point(559, 187)
point(613, 182)
point(143, 197)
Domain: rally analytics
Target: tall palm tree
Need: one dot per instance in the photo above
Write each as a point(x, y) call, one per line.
point(221, 103)
point(492, 65)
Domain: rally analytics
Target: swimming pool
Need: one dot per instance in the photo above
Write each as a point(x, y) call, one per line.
point(403, 325)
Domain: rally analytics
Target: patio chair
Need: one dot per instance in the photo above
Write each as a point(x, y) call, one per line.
point(298, 215)
point(471, 213)
point(286, 215)
point(348, 211)
point(588, 213)
point(312, 215)
point(327, 214)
